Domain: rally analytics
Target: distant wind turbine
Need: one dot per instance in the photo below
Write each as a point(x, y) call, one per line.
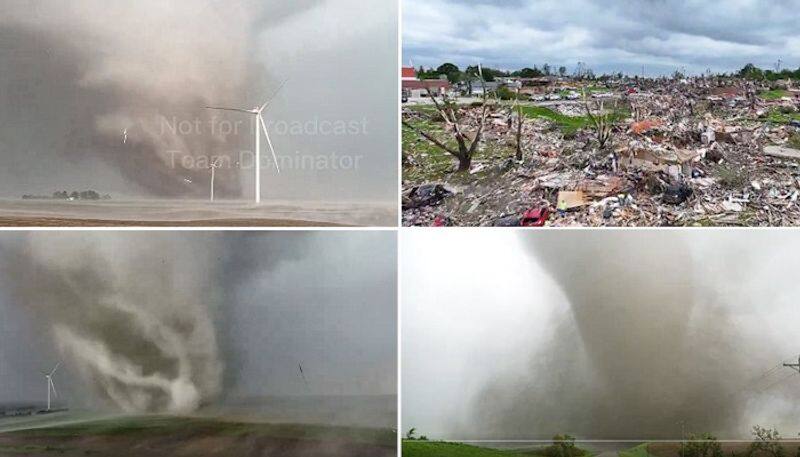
point(259, 122)
point(50, 384)
point(303, 375)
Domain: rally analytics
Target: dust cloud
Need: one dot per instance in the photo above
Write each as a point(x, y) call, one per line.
point(649, 345)
point(143, 341)
point(599, 334)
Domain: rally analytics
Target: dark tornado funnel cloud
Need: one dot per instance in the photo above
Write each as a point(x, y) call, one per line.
point(644, 347)
point(133, 320)
point(115, 91)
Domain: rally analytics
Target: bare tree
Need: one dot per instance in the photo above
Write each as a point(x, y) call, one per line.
point(453, 119)
point(601, 123)
point(639, 111)
point(520, 120)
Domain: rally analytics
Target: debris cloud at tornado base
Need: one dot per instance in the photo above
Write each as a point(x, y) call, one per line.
point(133, 320)
point(649, 343)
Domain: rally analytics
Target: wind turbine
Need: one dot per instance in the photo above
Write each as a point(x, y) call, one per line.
point(303, 375)
point(214, 165)
point(259, 122)
point(50, 384)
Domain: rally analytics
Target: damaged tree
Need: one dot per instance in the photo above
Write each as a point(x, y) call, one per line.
point(517, 108)
point(449, 111)
point(601, 123)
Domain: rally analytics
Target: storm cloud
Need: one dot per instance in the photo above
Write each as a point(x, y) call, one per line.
point(181, 322)
point(111, 96)
point(658, 36)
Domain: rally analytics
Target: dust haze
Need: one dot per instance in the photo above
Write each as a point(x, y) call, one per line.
point(93, 94)
point(178, 322)
point(625, 336)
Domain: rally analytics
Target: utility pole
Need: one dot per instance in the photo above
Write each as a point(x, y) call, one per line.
point(794, 366)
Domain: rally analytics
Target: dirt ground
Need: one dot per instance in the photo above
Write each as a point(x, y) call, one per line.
point(192, 213)
point(166, 436)
point(186, 445)
point(66, 222)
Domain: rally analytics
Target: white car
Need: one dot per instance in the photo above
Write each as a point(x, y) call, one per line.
point(538, 98)
point(573, 95)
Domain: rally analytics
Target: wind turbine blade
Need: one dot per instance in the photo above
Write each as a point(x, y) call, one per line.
point(238, 110)
point(55, 368)
point(269, 99)
point(303, 375)
point(269, 142)
point(53, 386)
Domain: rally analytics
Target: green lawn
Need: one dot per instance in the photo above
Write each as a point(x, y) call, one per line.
point(778, 117)
point(567, 124)
point(433, 164)
point(439, 449)
point(638, 451)
point(594, 89)
point(774, 94)
point(416, 448)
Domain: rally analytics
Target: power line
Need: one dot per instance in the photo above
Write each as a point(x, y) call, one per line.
point(778, 382)
point(766, 377)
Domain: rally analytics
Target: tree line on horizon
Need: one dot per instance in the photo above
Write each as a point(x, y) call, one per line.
point(74, 195)
point(455, 75)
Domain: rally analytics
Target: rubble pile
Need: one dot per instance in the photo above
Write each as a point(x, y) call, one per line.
point(689, 154)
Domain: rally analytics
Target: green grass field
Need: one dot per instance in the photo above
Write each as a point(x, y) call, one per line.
point(638, 451)
point(439, 449)
point(567, 124)
point(777, 117)
point(774, 94)
point(417, 448)
point(434, 163)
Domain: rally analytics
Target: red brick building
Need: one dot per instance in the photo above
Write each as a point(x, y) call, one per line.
point(414, 87)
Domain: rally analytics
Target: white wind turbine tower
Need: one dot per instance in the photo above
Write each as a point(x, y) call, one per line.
point(50, 384)
point(259, 122)
point(214, 165)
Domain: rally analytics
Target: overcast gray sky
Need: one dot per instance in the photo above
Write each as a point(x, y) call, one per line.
point(603, 335)
point(75, 76)
point(610, 36)
point(241, 310)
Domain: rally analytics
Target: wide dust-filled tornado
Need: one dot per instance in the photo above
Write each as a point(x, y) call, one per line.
point(645, 346)
point(133, 319)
